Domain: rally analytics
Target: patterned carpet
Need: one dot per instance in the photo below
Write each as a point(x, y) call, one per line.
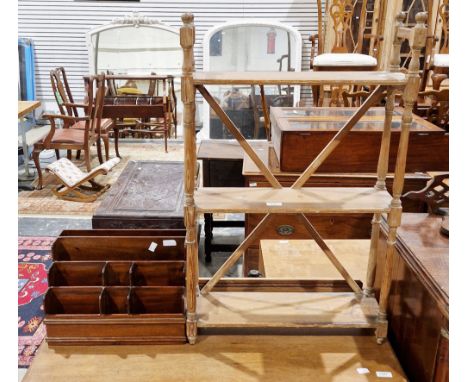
point(34, 260)
point(43, 202)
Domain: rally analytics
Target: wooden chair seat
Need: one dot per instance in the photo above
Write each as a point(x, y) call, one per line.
point(72, 179)
point(346, 60)
point(106, 125)
point(441, 60)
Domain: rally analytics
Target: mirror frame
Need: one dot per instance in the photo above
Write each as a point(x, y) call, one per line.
point(130, 21)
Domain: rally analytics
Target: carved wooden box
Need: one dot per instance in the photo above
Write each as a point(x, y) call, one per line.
point(147, 194)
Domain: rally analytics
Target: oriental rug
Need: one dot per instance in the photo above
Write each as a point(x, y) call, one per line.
point(34, 260)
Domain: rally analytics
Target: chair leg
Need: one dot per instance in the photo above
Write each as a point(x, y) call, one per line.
point(78, 154)
point(99, 150)
point(57, 154)
point(116, 141)
point(87, 159)
point(69, 154)
point(35, 156)
point(105, 138)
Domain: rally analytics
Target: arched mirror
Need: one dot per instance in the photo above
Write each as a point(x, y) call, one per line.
point(249, 45)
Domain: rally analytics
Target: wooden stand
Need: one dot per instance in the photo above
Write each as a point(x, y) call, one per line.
point(356, 309)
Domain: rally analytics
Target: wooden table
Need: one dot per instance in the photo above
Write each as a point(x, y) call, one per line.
point(25, 108)
point(222, 167)
point(418, 308)
point(224, 358)
point(147, 194)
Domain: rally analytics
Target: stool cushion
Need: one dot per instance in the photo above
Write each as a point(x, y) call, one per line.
point(441, 60)
point(344, 59)
point(66, 171)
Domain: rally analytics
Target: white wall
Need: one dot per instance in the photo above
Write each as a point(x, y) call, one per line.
point(58, 27)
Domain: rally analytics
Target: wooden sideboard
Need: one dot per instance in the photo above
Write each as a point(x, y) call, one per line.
point(418, 309)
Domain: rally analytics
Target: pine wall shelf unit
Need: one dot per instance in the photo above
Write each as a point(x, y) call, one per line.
point(217, 305)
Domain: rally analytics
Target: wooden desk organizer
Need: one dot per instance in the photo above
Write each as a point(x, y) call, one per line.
point(108, 287)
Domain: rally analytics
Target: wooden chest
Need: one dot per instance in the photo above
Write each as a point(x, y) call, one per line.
point(418, 308)
point(116, 287)
point(148, 194)
point(300, 134)
point(284, 226)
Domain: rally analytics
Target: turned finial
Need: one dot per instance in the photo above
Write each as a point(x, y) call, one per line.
point(401, 17)
point(187, 18)
point(421, 17)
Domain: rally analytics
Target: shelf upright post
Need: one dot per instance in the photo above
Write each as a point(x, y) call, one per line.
point(417, 39)
point(187, 39)
point(382, 167)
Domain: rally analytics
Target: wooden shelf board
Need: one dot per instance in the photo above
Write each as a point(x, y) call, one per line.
point(287, 200)
point(286, 310)
point(299, 78)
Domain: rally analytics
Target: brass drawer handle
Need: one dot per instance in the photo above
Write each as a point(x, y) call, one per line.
point(285, 230)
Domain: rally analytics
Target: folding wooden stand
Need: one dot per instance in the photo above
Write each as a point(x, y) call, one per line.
point(259, 308)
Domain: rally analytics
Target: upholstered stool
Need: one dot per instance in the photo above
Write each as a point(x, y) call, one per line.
point(72, 179)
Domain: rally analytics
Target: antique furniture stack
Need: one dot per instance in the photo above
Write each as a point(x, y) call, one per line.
point(116, 287)
point(260, 307)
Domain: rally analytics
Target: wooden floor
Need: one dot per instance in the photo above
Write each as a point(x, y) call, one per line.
point(222, 358)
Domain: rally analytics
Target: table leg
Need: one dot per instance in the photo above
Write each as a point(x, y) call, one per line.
point(27, 175)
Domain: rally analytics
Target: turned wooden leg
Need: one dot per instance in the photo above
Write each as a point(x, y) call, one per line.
point(99, 150)
point(37, 163)
point(69, 154)
point(87, 159)
point(78, 154)
point(116, 141)
point(106, 146)
point(394, 219)
point(57, 154)
point(371, 265)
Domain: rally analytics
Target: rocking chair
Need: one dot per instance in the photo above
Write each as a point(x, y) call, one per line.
point(72, 179)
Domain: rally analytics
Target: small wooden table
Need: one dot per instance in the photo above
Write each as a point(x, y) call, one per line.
point(222, 167)
point(25, 108)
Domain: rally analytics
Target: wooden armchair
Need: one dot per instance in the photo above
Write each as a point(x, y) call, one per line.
point(74, 138)
point(350, 40)
point(67, 106)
